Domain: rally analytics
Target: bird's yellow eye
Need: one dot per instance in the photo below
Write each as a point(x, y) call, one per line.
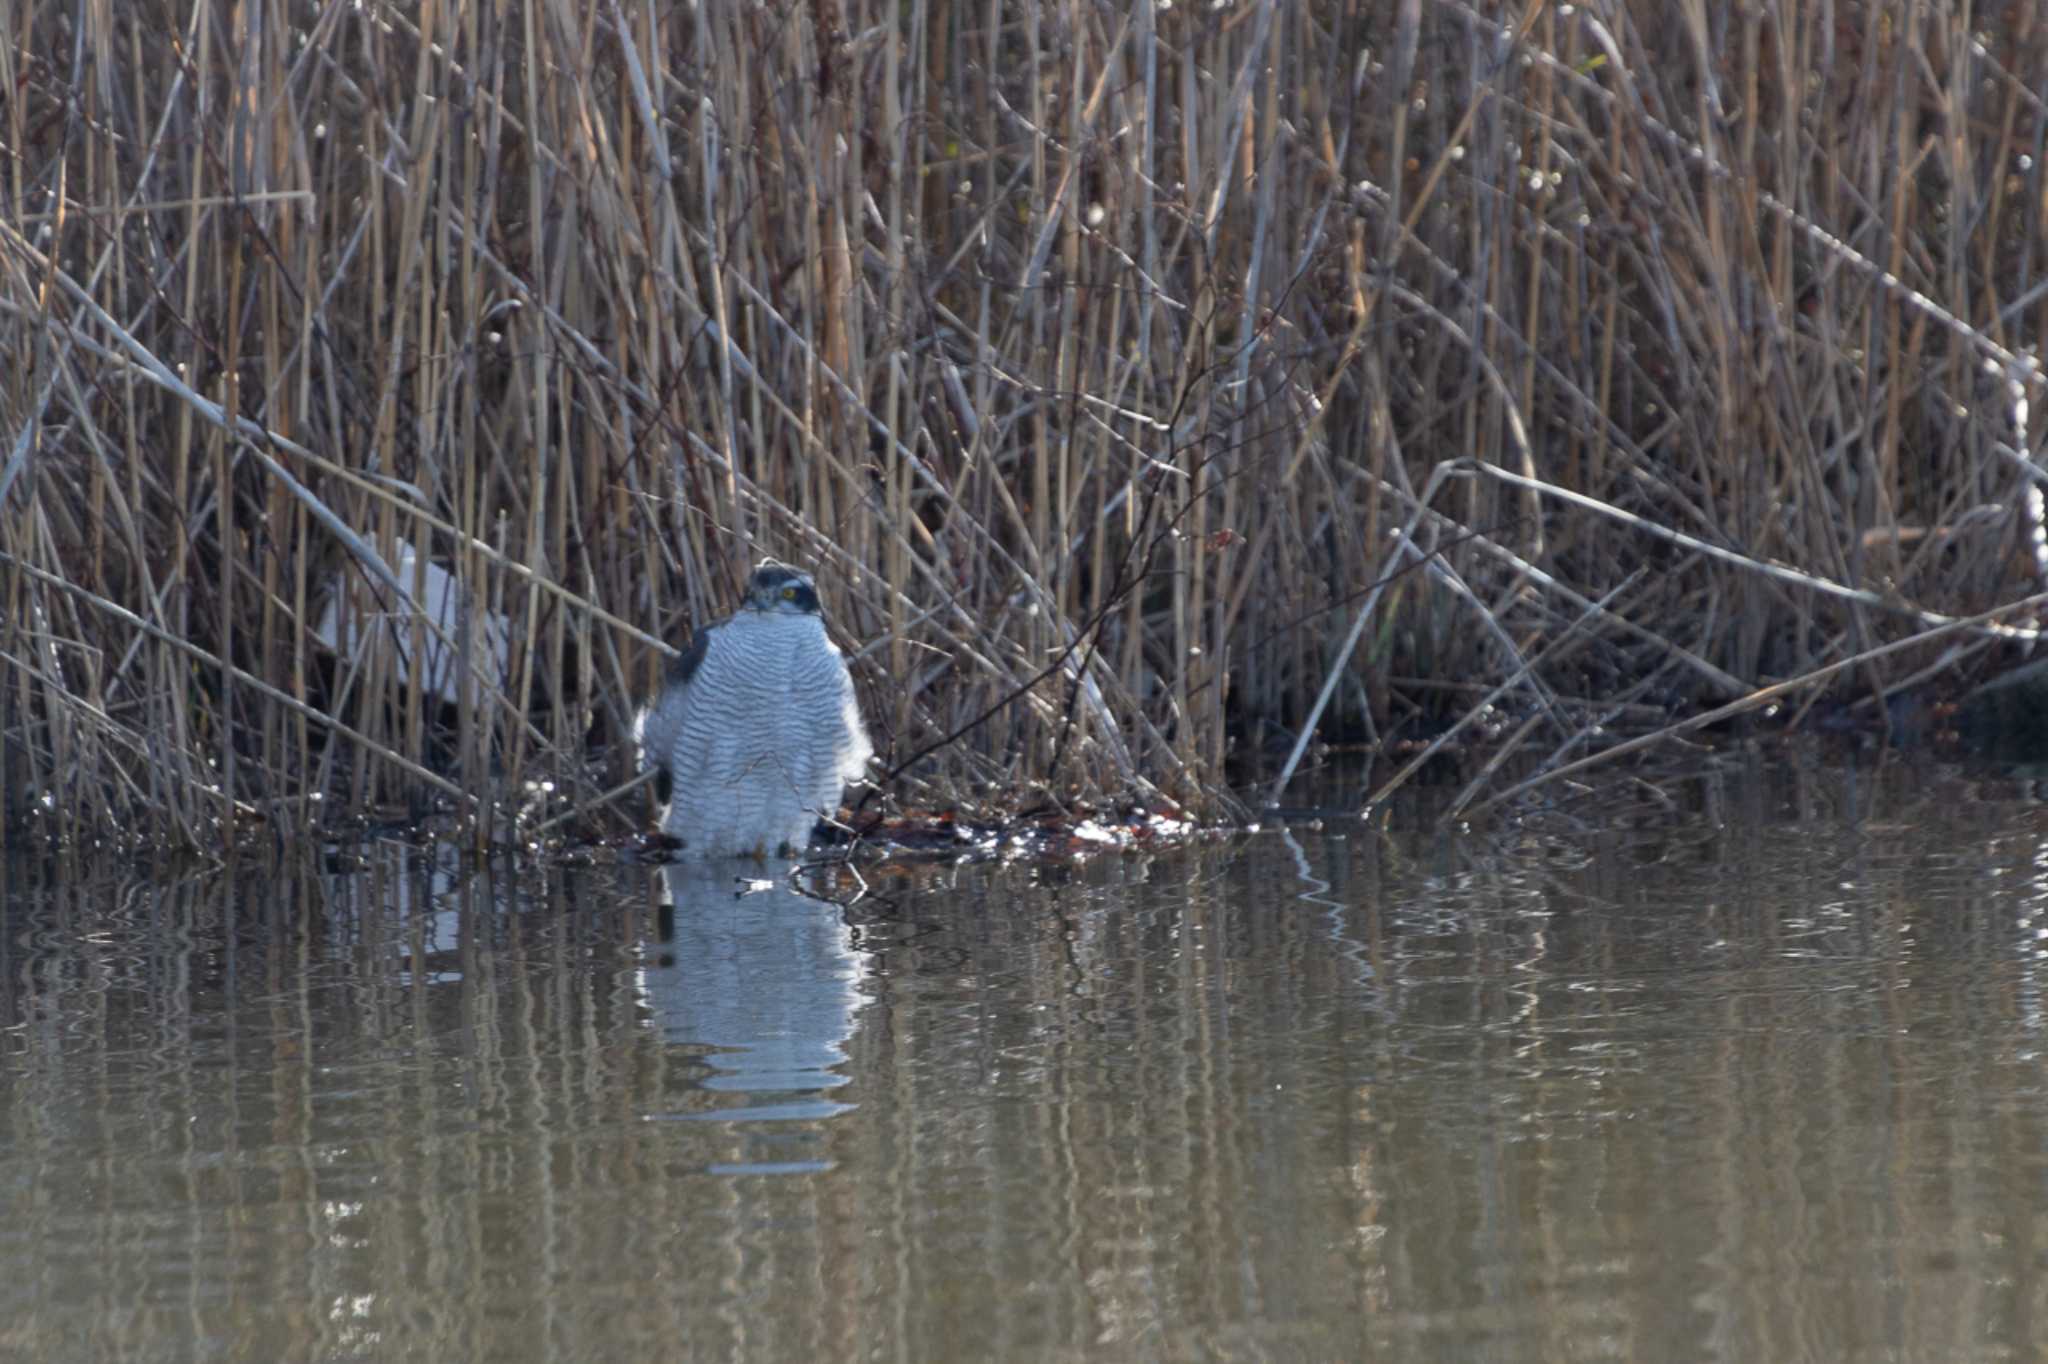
point(789, 594)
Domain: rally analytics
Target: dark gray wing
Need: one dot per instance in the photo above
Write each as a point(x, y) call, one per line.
point(683, 666)
point(666, 711)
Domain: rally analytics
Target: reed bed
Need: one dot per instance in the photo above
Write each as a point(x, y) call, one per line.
point(1153, 388)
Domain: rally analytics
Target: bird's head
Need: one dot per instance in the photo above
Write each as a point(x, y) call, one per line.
point(783, 590)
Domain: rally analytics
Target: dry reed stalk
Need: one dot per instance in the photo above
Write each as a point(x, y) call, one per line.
point(1077, 347)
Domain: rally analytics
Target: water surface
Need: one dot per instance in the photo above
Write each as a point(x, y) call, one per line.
point(1743, 1065)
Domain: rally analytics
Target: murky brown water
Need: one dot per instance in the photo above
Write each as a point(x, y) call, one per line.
point(1759, 1077)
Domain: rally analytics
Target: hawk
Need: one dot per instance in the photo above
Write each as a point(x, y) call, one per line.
point(756, 731)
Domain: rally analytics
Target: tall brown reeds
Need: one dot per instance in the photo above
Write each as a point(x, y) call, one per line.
point(1148, 384)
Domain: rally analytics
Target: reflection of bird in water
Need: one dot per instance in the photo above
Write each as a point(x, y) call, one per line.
point(755, 732)
point(765, 986)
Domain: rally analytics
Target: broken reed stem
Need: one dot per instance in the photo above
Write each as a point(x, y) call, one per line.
point(1075, 347)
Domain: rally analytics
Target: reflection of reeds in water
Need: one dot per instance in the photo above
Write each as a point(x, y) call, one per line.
point(1107, 362)
point(1441, 1097)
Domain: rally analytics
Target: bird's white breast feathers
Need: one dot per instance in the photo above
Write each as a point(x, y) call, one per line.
point(760, 741)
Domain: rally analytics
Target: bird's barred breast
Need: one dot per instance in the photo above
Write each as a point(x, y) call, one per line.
point(767, 736)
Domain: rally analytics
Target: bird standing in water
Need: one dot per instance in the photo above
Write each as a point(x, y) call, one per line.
point(756, 731)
